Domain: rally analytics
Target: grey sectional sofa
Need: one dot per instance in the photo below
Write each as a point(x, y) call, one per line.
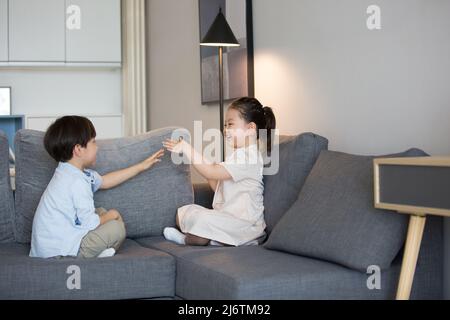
point(317, 265)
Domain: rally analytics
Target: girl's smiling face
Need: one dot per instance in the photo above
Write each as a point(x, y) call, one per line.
point(237, 131)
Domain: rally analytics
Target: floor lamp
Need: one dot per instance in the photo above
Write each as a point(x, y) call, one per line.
point(220, 35)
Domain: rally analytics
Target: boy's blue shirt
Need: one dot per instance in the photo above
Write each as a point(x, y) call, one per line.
point(66, 212)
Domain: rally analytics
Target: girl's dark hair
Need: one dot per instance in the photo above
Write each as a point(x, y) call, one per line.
point(252, 110)
point(65, 133)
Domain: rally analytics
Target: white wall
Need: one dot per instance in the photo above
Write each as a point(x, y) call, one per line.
point(60, 91)
point(174, 89)
point(369, 92)
point(174, 66)
point(317, 65)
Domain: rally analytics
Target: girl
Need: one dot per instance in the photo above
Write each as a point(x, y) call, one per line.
point(237, 216)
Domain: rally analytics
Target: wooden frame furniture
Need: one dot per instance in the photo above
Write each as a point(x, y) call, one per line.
point(414, 186)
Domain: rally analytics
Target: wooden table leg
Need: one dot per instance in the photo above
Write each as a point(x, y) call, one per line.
point(412, 247)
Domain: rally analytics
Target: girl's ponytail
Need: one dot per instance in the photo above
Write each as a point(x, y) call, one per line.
point(271, 124)
point(252, 110)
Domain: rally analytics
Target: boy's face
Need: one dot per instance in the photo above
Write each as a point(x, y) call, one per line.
point(88, 155)
point(237, 131)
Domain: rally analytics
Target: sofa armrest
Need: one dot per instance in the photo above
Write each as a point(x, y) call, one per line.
point(203, 195)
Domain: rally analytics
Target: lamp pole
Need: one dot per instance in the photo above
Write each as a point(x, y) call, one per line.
point(221, 101)
point(220, 35)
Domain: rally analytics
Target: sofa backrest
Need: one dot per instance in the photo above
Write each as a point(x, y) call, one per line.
point(6, 195)
point(297, 155)
point(34, 169)
point(148, 202)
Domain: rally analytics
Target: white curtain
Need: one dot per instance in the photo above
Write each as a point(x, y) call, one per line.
point(134, 67)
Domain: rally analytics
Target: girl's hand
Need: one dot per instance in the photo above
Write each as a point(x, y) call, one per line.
point(150, 161)
point(175, 146)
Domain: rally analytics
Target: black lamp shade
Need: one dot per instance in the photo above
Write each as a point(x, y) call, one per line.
point(220, 34)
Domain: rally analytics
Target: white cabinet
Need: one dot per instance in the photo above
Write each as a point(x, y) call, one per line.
point(60, 32)
point(3, 30)
point(36, 30)
point(96, 37)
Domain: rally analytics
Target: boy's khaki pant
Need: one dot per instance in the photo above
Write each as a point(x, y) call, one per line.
point(109, 235)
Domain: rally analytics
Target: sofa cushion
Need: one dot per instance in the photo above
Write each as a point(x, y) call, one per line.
point(297, 155)
point(34, 169)
point(176, 250)
point(6, 195)
point(247, 273)
point(134, 272)
point(148, 202)
point(334, 218)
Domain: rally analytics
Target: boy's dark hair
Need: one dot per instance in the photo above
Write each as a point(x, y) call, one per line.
point(252, 110)
point(65, 133)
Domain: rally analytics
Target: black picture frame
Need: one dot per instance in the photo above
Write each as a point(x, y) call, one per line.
point(238, 61)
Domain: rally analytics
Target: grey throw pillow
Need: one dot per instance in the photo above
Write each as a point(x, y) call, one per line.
point(34, 169)
point(334, 218)
point(6, 196)
point(297, 155)
point(148, 202)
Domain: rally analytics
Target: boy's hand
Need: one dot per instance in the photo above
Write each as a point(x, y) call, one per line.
point(115, 178)
point(109, 216)
point(175, 146)
point(150, 161)
point(115, 214)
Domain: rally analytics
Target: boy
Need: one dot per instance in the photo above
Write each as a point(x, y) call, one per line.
point(66, 222)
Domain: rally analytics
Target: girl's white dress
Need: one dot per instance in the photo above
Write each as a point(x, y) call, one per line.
point(237, 216)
